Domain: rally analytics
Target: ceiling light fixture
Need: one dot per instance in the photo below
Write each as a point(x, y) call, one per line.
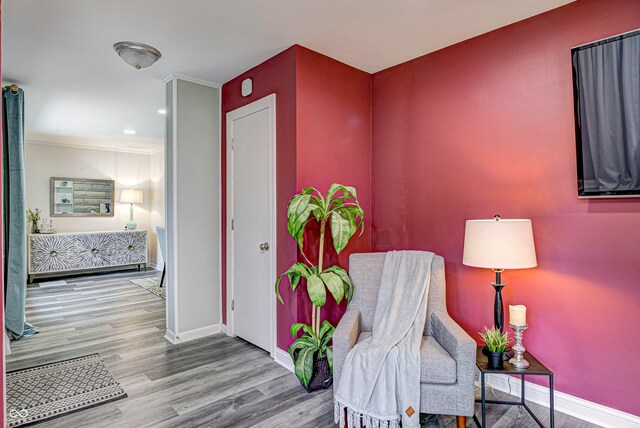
point(137, 55)
point(162, 111)
point(129, 131)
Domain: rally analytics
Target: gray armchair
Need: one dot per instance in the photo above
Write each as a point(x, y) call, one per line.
point(447, 353)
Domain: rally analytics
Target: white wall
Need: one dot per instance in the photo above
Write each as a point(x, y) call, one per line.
point(193, 209)
point(43, 161)
point(157, 204)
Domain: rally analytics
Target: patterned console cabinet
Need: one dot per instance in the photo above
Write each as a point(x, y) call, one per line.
point(50, 255)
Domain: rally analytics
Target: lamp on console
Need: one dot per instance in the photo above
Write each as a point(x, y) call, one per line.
point(499, 244)
point(131, 196)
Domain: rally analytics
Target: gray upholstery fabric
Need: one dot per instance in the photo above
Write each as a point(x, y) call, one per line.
point(436, 365)
point(447, 352)
point(365, 271)
point(344, 338)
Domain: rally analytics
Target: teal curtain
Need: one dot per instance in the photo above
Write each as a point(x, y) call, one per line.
point(14, 214)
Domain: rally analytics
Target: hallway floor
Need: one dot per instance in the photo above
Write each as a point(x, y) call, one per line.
point(218, 381)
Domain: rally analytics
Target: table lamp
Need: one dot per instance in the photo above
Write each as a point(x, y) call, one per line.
point(131, 196)
point(499, 244)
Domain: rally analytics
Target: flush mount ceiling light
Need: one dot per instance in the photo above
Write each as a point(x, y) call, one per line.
point(129, 131)
point(137, 55)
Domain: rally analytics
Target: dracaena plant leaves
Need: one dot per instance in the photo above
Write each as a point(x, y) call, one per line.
point(346, 281)
point(310, 345)
point(299, 211)
point(317, 292)
point(295, 272)
point(341, 211)
point(334, 284)
point(343, 226)
point(341, 208)
point(333, 278)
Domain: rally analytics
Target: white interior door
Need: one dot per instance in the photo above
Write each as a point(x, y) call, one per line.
point(252, 221)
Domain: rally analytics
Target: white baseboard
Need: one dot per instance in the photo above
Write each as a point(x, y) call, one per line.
point(171, 337)
point(284, 359)
point(565, 403)
point(223, 328)
point(197, 333)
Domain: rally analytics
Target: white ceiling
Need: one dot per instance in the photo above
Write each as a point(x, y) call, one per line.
point(78, 90)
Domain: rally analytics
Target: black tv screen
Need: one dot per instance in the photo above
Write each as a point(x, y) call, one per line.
point(606, 77)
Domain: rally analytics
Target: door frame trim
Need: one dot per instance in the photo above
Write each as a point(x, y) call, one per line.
point(265, 103)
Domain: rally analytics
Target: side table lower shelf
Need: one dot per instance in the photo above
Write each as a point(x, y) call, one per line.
point(535, 369)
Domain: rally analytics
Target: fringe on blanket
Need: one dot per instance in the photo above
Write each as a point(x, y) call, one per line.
point(357, 419)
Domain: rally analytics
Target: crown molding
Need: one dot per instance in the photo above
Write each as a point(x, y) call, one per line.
point(186, 78)
point(97, 148)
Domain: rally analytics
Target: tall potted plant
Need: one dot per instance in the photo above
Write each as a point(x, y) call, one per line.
point(340, 210)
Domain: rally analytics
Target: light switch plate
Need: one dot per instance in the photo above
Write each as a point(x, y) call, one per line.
point(246, 87)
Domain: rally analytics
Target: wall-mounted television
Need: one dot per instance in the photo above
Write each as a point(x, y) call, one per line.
point(606, 77)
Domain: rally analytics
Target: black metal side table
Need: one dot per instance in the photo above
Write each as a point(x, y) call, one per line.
point(536, 368)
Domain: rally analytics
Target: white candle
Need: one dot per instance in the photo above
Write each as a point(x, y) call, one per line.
point(518, 315)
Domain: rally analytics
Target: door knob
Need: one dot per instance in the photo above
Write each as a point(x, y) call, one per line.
point(264, 246)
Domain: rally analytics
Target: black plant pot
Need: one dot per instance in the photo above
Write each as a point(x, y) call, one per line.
point(494, 359)
point(321, 377)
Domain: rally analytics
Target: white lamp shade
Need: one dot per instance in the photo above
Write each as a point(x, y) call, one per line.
point(131, 196)
point(499, 244)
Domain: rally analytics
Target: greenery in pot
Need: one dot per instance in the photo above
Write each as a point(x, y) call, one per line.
point(495, 342)
point(341, 211)
point(310, 347)
point(33, 217)
point(494, 339)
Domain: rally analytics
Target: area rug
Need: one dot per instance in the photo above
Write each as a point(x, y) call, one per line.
point(152, 285)
point(52, 390)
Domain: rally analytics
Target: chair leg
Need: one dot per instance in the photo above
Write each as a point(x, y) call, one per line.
point(164, 269)
point(462, 421)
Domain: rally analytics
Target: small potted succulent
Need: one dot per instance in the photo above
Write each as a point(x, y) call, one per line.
point(495, 342)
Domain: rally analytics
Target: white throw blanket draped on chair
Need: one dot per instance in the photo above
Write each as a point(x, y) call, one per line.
point(380, 381)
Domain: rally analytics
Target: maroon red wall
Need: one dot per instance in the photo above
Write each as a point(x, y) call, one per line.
point(323, 131)
point(485, 127)
point(482, 127)
point(333, 146)
point(277, 75)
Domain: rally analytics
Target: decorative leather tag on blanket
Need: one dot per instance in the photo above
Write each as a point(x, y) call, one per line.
point(409, 411)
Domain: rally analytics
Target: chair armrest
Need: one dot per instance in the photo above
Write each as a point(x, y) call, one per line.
point(462, 348)
point(452, 337)
point(344, 338)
